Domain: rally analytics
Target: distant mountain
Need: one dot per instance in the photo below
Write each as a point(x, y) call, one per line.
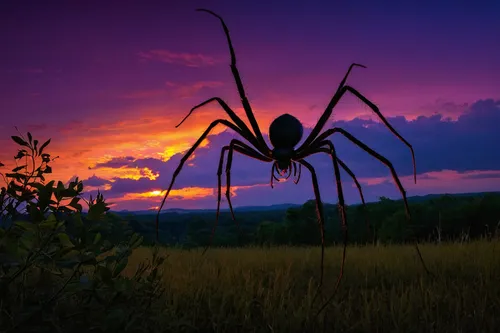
point(417, 198)
point(187, 211)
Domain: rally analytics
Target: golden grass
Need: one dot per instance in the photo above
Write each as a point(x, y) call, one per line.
point(384, 289)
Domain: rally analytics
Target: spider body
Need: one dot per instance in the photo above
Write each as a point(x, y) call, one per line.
point(285, 133)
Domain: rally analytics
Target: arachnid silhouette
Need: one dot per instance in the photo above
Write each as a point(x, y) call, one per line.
point(285, 133)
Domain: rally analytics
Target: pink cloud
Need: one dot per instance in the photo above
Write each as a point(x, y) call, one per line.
point(182, 58)
point(141, 94)
point(188, 90)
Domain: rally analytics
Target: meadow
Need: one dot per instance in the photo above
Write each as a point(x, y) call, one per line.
point(384, 289)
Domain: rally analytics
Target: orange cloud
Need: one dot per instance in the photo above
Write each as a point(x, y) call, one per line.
point(187, 193)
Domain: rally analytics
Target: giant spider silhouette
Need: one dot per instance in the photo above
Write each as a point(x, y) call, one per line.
point(285, 132)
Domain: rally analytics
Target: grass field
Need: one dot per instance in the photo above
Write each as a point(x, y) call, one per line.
point(384, 289)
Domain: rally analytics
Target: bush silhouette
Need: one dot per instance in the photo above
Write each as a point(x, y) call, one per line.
point(61, 268)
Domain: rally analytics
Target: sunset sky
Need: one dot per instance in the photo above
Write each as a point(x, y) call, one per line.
point(108, 81)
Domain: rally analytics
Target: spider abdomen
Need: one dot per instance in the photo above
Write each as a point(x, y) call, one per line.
point(285, 131)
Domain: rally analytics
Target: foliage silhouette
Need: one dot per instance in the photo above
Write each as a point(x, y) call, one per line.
point(60, 268)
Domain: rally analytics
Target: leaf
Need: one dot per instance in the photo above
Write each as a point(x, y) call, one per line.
point(25, 225)
point(64, 239)
point(43, 146)
point(97, 238)
point(30, 138)
point(16, 176)
point(96, 211)
point(105, 274)
point(120, 267)
point(50, 186)
point(19, 141)
point(45, 158)
point(44, 198)
point(35, 214)
point(20, 154)
point(19, 168)
point(28, 240)
point(50, 223)
point(78, 219)
point(38, 186)
point(1, 164)
point(60, 186)
point(36, 143)
point(74, 202)
point(68, 253)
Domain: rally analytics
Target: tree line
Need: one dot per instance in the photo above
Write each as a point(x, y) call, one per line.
point(437, 218)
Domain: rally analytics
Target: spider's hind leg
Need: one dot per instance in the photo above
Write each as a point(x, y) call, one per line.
point(341, 210)
point(244, 149)
point(321, 220)
point(219, 189)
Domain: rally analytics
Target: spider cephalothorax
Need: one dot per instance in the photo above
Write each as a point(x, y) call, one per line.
point(285, 133)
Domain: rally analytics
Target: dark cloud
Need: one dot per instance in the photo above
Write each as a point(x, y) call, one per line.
point(95, 181)
point(467, 144)
point(485, 175)
point(116, 162)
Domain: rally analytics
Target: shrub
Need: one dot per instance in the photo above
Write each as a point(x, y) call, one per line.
point(61, 269)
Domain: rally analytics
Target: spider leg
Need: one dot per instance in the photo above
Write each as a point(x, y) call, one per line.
point(312, 138)
point(296, 181)
point(342, 83)
point(385, 161)
point(341, 209)
point(186, 157)
point(239, 84)
point(289, 171)
point(237, 120)
point(350, 173)
point(219, 186)
point(273, 176)
point(360, 190)
point(328, 111)
point(320, 213)
point(373, 153)
point(243, 149)
point(295, 171)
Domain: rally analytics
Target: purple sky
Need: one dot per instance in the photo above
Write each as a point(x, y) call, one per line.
point(108, 83)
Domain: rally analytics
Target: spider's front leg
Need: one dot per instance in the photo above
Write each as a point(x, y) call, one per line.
point(248, 152)
point(246, 133)
point(321, 216)
point(313, 136)
point(186, 157)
